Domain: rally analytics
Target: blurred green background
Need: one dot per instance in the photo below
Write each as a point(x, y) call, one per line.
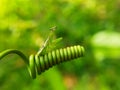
point(95, 24)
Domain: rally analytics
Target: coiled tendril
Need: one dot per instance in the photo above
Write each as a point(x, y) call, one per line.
point(39, 63)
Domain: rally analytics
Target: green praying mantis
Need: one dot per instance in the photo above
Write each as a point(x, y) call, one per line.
point(49, 43)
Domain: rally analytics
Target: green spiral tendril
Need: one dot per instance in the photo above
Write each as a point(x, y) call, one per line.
point(39, 63)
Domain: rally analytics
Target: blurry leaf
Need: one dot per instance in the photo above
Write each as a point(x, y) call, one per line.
point(106, 45)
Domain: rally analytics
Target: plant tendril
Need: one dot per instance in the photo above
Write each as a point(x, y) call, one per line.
point(39, 63)
point(10, 51)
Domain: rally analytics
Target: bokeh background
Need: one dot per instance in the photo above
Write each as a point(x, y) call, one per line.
point(95, 24)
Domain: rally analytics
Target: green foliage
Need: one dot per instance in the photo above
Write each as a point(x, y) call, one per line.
point(24, 25)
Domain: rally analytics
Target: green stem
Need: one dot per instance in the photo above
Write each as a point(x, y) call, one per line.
point(9, 51)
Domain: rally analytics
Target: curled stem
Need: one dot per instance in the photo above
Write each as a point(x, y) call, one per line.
point(39, 63)
point(10, 51)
